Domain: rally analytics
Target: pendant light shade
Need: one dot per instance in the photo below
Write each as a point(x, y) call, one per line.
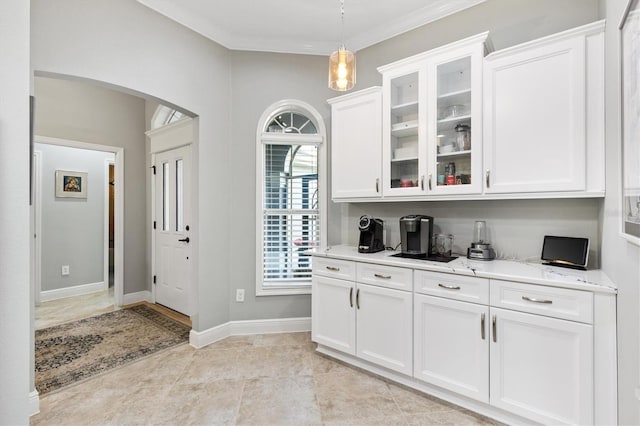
point(342, 64)
point(342, 70)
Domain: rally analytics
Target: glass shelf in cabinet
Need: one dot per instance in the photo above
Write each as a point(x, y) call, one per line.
point(458, 93)
point(408, 128)
point(455, 153)
point(405, 109)
point(401, 160)
point(454, 119)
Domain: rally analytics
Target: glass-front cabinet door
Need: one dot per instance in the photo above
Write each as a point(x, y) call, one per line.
point(404, 132)
point(455, 121)
point(432, 121)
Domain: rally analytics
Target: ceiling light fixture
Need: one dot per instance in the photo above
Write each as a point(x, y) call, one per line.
point(342, 63)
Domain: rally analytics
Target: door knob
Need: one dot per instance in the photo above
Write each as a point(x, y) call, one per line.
point(185, 240)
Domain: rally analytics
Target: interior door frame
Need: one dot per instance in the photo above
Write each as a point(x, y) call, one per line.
point(118, 290)
point(35, 234)
point(107, 163)
point(166, 138)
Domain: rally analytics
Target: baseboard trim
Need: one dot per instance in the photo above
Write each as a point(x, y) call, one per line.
point(34, 402)
point(450, 396)
point(199, 339)
point(137, 297)
point(76, 290)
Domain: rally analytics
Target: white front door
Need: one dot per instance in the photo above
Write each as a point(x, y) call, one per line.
point(172, 229)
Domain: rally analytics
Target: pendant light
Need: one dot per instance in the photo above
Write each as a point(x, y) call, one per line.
point(342, 63)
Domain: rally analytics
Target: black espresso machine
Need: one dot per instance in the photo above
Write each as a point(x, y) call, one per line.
point(371, 235)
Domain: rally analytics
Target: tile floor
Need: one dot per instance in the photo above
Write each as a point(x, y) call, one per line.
point(269, 379)
point(60, 311)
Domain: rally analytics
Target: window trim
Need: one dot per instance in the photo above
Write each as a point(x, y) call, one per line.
point(262, 136)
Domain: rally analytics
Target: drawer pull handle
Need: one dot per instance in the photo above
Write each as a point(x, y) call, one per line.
point(482, 326)
point(494, 328)
point(333, 268)
point(358, 299)
point(449, 287)
point(351, 297)
point(384, 277)
point(531, 299)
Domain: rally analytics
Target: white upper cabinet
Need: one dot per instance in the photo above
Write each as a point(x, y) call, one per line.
point(544, 114)
point(404, 131)
point(356, 144)
point(455, 121)
point(432, 121)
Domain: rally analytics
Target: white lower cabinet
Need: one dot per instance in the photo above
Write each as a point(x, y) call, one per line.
point(383, 327)
point(534, 360)
point(451, 345)
point(542, 368)
point(371, 322)
point(333, 318)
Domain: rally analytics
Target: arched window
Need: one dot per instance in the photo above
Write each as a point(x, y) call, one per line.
point(165, 115)
point(291, 194)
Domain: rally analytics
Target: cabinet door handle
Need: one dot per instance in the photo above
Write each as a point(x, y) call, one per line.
point(482, 326)
point(351, 297)
point(487, 175)
point(384, 277)
point(494, 328)
point(429, 180)
point(358, 298)
point(531, 299)
point(449, 287)
point(377, 185)
point(333, 268)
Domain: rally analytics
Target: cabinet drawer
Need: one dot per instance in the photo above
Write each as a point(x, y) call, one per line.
point(334, 268)
point(385, 276)
point(458, 287)
point(574, 305)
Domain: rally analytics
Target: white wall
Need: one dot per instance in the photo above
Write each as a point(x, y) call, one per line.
point(15, 336)
point(72, 228)
point(620, 259)
point(126, 45)
point(87, 112)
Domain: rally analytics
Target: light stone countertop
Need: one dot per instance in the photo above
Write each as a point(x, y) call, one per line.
point(594, 280)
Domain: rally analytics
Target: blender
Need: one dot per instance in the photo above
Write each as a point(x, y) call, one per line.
point(480, 248)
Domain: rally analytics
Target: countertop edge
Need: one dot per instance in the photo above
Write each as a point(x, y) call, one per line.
point(595, 281)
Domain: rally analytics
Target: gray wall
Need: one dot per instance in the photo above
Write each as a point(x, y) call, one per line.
point(516, 228)
point(259, 80)
point(16, 364)
point(86, 112)
point(125, 45)
point(620, 258)
point(510, 22)
point(72, 228)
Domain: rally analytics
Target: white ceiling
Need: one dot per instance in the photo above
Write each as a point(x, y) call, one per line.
point(303, 26)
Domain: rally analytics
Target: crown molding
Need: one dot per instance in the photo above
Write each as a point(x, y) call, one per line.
point(276, 44)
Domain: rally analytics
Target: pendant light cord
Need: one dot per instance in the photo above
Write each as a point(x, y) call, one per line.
point(342, 23)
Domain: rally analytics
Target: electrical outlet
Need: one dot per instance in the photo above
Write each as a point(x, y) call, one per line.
point(65, 270)
point(240, 295)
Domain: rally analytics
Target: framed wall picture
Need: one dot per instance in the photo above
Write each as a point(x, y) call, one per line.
point(630, 121)
point(71, 184)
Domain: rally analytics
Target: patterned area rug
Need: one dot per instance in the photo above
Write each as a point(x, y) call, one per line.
point(71, 352)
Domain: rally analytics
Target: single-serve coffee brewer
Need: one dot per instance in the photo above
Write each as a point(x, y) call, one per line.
point(415, 235)
point(371, 235)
